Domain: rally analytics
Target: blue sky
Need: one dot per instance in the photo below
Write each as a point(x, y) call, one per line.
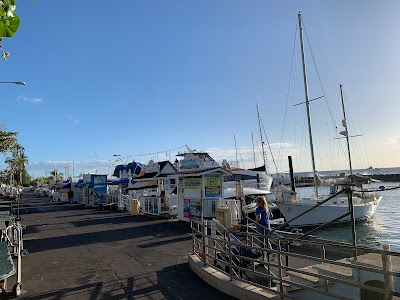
point(139, 77)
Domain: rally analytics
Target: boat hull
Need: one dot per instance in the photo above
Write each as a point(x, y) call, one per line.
point(325, 213)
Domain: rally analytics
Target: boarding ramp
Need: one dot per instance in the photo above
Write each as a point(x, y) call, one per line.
point(311, 268)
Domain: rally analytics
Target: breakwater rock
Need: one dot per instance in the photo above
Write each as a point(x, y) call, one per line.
point(386, 177)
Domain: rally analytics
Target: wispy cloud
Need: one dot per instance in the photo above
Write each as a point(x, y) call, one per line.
point(70, 168)
point(72, 119)
point(394, 140)
point(33, 100)
point(248, 158)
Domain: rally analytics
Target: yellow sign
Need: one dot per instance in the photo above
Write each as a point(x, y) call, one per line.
point(212, 186)
point(213, 181)
point(192, 183)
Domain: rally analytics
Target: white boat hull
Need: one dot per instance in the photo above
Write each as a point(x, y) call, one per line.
point(326, 213)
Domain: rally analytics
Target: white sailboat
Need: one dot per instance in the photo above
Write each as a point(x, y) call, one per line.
point(334, 207)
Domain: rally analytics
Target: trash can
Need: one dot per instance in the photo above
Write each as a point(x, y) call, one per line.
point(134, 207)
point(223, 215)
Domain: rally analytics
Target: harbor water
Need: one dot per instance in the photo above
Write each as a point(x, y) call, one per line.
point(381, 229)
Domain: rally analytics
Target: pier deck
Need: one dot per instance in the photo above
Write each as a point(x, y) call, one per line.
point(78, 253)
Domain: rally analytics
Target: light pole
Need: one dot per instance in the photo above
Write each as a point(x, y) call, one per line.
point(14, 82)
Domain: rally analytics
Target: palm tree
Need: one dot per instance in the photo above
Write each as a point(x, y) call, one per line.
point(3, 176)
point(17, 163)
point(7, 139)
point(57, 175)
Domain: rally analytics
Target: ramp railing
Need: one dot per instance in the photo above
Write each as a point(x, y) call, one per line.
point(316, 267)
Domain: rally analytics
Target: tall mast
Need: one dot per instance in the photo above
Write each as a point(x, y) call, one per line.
point(346, 133)
point(237, 161)
point(254, 154)
point(307, 106)
point(262, 142)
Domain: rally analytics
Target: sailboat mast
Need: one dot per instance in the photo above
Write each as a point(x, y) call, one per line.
point(237, 161)
point(262, 142)
point(307, 105)
point(346, 133)
point(254, 154)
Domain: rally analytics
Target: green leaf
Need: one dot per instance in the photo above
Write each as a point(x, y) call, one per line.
point(8, 27)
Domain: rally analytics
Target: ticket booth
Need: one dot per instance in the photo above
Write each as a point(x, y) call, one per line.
point(199, 193)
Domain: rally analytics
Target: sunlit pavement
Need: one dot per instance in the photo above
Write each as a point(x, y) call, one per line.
point(78, 253)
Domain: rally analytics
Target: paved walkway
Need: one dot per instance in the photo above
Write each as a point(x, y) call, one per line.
point(78, 253)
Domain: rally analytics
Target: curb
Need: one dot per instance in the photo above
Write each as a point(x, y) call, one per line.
point(220, 281)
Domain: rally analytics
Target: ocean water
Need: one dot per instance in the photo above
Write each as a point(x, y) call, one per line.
point(373, 171)
point(382, 228)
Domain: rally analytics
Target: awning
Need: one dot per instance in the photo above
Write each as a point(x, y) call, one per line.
point(79, 183)
point(143, 184)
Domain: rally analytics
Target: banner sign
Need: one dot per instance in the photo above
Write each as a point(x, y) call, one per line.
point(99, 189)
point(212, 186)
point(192, 183)
point(189, 162)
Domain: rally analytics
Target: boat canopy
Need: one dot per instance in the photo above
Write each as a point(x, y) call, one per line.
point(122, 181)
point(118, 169)
point(135, 168)
point(67, 185)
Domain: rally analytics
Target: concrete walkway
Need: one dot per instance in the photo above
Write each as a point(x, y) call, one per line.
point(78, 253)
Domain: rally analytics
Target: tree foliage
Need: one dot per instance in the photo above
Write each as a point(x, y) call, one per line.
point(7, 139)
point(9, 20)
point(16, 171)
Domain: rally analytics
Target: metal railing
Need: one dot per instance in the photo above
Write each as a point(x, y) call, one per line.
point(245, 256)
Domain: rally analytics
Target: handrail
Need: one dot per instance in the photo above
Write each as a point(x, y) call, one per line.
point(237, 262)
point(263, 227)
point(319, 241)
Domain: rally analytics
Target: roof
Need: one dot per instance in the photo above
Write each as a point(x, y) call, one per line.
point(162, 164)
point(148, 175)
point(199, 172)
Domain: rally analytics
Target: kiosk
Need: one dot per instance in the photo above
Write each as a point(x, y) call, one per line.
point(200, 186)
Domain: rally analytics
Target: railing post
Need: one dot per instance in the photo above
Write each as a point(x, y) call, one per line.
point(230, 257)
point(203, 241)
point(287, 258)
point(252, 247)
point(349, 193)
point(323, 256)
point(323, 252)
point(279, 262)
point(387, 268)
point(191, 226)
